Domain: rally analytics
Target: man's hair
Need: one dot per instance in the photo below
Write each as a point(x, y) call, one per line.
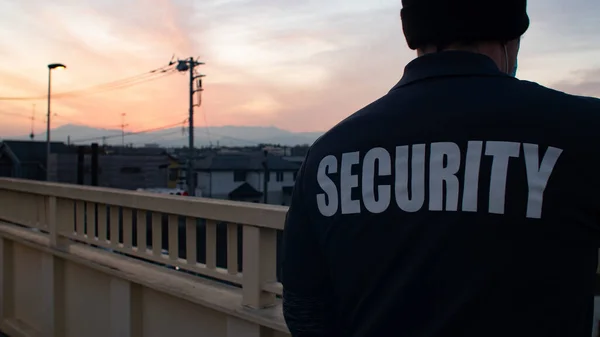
point(444, 22)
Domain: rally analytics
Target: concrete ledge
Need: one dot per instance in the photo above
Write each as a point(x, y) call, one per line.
point(211, 294)
point(15, 328)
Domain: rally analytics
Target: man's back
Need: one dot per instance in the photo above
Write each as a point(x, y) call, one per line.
point(463, 203)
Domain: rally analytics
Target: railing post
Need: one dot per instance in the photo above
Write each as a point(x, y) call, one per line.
point(239, 328)
point(7, 290)
point(259, 265)
point(53, 295)
point(125, 310)
point(60, 221)
point(53, 272)
point(51, 221)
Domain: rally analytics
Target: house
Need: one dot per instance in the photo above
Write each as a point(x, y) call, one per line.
point(27, 159)
point(176, 179)
point(241, 177)
point(297, 159)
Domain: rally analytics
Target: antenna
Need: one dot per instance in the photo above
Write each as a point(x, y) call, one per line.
point(32, 135)
point(123, 125)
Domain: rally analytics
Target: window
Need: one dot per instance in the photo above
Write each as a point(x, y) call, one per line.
point(279, 176)
point(239, 176)
point(295, 175)
point(131, 170)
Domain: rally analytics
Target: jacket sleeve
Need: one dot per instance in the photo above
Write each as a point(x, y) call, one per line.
point(307, 296)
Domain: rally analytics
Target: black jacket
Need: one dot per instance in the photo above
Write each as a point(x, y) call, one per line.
point(462, 203)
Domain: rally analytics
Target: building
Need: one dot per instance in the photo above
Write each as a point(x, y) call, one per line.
point(129, 169)
point(278, 151)
point(241, 177)
point(27, 159)
point(296, 159)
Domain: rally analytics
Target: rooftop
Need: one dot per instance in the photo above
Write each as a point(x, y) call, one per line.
point(35, 151)
point(249, 162)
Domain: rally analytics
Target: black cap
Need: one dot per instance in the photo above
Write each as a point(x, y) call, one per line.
point(441, 22)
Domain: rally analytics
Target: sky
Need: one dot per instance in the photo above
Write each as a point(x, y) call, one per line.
point(300, 65)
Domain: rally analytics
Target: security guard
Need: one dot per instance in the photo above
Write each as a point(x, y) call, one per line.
point(465, 202)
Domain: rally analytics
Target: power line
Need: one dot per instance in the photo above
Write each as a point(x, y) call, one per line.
point(207, 128)
point(162, 136)
point(129, 133)
point(110, 136)
point(241, 140)
point(104, 87)
point(103, 138)
point(36, 120)
point(92, 90)
point(13, 114)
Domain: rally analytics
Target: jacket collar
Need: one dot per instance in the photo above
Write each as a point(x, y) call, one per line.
point(447, 64)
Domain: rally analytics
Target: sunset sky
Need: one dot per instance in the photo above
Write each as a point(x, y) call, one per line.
point(301, 65)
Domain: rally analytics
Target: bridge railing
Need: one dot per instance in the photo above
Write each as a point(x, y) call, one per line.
point(229, 241)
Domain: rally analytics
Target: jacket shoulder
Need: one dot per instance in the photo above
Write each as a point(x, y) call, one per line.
point(347, 125)
point(581, 102)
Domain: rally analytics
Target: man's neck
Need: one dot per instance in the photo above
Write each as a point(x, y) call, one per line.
point(490, 50)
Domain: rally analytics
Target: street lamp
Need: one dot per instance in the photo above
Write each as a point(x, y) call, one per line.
point(50, 68)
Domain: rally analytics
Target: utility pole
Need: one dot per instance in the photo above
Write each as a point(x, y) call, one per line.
point(190, 65)
point(123, 125)
point(265, 164)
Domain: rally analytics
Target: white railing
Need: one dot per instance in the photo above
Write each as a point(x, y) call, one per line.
point(158, 228)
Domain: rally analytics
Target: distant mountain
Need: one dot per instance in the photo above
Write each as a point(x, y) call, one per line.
point(177, 137)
